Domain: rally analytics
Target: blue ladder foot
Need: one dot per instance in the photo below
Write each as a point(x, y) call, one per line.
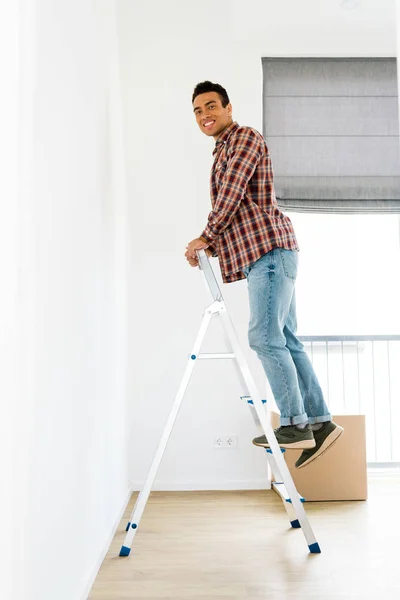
point(127, 527)
point(314, 548)
point(124, 551)
point(295, 524)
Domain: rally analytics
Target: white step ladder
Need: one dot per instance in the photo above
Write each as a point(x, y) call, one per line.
point(284, 485)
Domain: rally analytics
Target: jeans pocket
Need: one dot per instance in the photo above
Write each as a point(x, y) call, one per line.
point(290, 262)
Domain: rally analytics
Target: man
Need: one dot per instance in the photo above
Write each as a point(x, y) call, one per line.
point(254, 239)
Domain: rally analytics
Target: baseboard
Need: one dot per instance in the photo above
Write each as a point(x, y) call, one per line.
point(186, 486)
point(104, 551)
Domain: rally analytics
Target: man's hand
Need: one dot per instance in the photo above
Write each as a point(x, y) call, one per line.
point(196, 244)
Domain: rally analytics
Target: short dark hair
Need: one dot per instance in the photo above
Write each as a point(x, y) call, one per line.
point(208, 86)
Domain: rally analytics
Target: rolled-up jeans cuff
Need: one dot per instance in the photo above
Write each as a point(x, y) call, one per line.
point(324, 419)
point(298, 420)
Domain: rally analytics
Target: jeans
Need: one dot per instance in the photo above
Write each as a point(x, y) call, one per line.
point(272, 335)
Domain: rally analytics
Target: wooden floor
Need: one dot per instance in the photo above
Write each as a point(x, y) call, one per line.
point(238, 546)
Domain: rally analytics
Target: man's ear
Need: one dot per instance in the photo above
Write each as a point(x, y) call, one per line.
point(229, 109)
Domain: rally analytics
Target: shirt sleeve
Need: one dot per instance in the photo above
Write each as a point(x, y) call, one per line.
point(244, 154)
point(214, 248)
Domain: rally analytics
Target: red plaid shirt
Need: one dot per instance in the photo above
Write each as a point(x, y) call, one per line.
point(245, 222)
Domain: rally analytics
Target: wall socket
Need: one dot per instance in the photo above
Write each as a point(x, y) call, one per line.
point(225, 441)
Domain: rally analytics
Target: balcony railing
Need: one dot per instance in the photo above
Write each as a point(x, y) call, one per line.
point(360, 374)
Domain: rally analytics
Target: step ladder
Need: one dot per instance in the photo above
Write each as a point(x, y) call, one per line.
point(284, 484)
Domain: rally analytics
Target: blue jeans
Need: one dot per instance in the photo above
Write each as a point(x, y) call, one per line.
point(272, 334)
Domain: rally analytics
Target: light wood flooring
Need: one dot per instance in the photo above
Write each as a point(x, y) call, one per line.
point(239, 546)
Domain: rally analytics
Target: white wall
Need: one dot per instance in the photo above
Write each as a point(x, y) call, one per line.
point(73, 416)
point(9, 41)
point(166, 48)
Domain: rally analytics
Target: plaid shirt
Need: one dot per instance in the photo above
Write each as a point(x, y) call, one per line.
point(245, 222)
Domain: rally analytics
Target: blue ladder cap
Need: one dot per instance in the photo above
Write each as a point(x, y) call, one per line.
point(270, 451)
point(290, 500)
point(127, 527)
point(134, 526)
point(124, 551)
point(314, 548)
point(295, 524)
point(193, 357)
point(250, 401)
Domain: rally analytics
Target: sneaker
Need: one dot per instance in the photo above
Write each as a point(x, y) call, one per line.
point(324, 437)
point(289, 436)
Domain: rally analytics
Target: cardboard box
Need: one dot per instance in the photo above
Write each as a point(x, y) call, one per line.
point(340, 473)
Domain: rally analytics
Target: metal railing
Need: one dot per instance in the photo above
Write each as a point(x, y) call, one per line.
point(360, 374)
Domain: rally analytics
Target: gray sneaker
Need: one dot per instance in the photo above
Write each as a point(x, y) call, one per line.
point(324, 437)
point(289, 436)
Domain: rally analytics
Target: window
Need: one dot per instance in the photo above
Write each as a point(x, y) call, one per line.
point(349, 274)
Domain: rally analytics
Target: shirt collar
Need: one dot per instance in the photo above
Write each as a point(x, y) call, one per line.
point(223, 138)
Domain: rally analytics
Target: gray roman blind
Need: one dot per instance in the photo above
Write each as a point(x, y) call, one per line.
point(332, 127)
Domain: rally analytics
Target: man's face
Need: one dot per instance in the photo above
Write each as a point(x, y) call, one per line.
point(211, 116)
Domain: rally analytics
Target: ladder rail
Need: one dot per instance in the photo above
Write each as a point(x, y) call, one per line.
point(282, 467)
point(145, 492)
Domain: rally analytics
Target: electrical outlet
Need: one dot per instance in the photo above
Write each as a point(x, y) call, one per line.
point(231, 441)
point(225, 441)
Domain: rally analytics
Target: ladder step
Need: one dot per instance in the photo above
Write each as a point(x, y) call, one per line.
point(216, 355)
point(250, 401)
point(282, 491)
